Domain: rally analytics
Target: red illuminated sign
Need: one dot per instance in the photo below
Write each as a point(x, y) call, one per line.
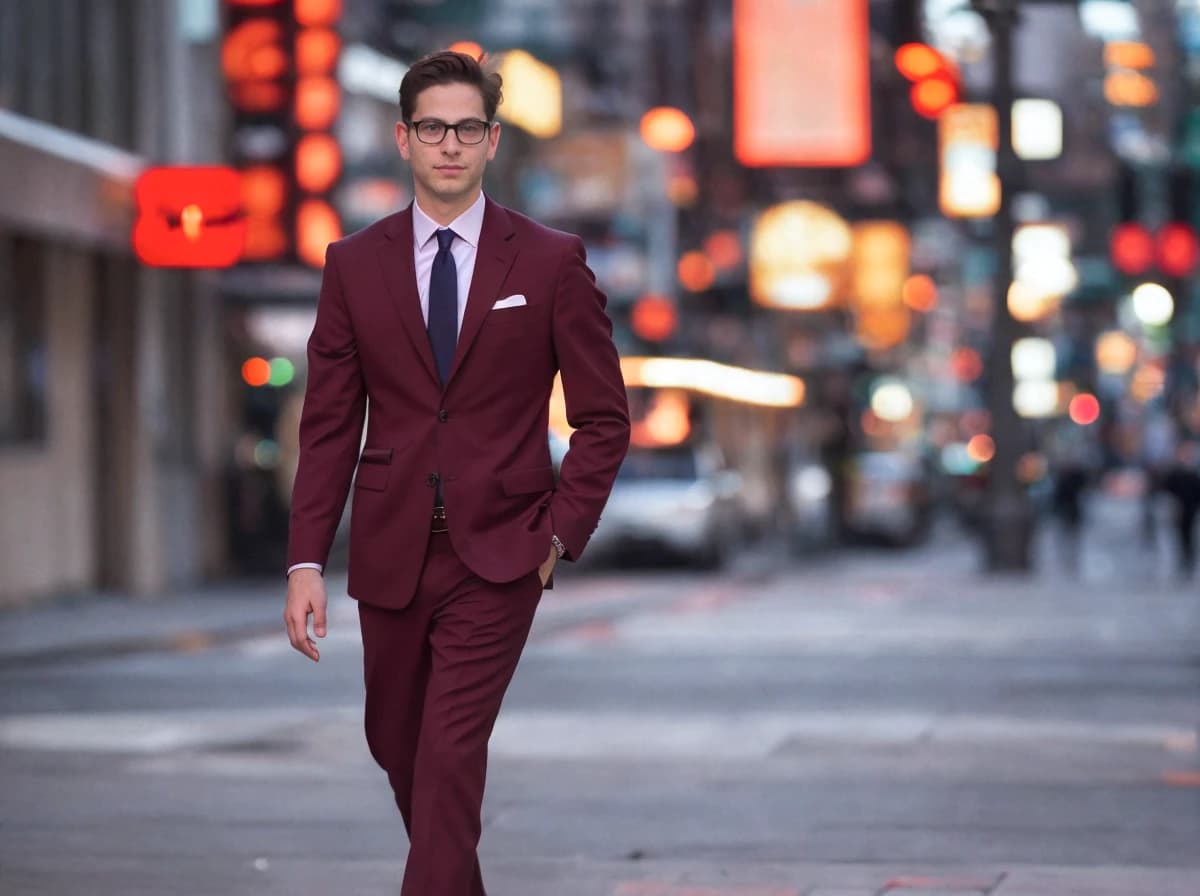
point(801, 83)
point(189, 218)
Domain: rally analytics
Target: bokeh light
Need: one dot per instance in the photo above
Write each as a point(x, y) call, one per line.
point(981, 448)
point(1084, 409)
point(256, 371)
point(1153, 304)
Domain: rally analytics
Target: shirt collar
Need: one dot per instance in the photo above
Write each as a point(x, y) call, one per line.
point(466, 226)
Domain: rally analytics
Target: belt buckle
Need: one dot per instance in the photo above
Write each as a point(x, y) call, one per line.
point(438, 521)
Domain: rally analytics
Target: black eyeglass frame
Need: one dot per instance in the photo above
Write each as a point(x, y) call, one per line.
point(415, 127)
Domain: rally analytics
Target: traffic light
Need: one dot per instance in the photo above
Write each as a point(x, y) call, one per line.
point(1176, 248)
point(279, 58)
point(935, 79)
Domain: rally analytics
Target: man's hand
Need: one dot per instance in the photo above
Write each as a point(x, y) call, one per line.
point(546, 569)
point(305, 596)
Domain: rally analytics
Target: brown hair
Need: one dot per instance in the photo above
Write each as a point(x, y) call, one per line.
point(448, 67)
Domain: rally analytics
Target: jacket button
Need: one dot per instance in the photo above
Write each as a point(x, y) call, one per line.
point(432, 480)
point(443, 415)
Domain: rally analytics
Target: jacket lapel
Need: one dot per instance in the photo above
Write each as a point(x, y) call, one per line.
point(396, 260)
point(493, 259)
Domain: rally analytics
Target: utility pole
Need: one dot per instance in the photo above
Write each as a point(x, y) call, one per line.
point(1009, 521)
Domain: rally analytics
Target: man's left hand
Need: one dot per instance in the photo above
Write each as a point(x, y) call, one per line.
point(547, 569)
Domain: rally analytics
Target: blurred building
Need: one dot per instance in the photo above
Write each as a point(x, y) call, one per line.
point(111, 383)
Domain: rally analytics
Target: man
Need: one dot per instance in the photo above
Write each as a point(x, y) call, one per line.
point(451, 319)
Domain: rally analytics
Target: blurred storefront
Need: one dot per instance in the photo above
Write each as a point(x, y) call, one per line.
point(111, 388)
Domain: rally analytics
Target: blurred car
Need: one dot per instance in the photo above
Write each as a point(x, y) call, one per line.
point(888, 497)
point(677, 503)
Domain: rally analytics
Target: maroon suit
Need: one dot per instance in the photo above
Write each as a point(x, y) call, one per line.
point(444, 617)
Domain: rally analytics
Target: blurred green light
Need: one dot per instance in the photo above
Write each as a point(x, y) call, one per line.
point(266, 454)
point(283, 372)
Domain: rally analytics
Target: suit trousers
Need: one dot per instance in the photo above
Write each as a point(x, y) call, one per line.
point(436, 673)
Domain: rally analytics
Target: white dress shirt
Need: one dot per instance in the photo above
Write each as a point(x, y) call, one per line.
point(467, 228)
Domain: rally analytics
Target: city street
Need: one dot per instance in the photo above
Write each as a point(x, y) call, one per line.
point(867, 722)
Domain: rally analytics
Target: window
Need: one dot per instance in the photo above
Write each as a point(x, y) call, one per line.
point(22, 343)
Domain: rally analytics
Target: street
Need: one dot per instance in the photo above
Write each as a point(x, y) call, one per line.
point(865, 722)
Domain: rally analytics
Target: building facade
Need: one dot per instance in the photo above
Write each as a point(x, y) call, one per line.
point(112, 375)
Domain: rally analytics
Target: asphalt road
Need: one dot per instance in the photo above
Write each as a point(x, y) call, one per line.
point(867, 723)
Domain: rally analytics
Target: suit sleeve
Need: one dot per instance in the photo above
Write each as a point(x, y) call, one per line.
point(597, 407)
point(330, 425)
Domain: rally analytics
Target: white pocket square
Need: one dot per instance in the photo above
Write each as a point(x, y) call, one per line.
point(511, 302)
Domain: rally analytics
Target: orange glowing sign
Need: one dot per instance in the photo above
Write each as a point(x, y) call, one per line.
point(801, 83)
point(189, 218)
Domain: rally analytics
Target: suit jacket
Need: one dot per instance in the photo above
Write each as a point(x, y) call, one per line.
point(485, 434)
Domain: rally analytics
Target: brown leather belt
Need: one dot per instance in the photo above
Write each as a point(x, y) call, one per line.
point(438, 523)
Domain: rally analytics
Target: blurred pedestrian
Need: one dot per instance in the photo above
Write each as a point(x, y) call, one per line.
point(452, 317)
point(1182, 483)
point(1156, 451)
point(1071, 473)
point(1066, 504)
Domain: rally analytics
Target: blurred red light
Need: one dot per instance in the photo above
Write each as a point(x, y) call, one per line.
point(1084, 409)
point(256, 372)
point(917, 61)
point(1178, 251)
point(932, 96)
point(1131, 248)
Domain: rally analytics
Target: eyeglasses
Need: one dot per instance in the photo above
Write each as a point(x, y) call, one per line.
point(470, 132)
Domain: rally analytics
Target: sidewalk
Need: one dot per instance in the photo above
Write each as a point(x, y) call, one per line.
point(96, 625)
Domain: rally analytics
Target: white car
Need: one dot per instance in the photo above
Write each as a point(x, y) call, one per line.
point(676, 502)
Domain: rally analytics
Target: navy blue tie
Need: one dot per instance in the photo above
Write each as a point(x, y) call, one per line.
point(443, 305)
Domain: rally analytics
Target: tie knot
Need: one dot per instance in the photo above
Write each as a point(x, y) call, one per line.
point(445, 237)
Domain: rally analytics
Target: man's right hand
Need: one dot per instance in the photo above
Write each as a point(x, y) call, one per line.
point(305, 597)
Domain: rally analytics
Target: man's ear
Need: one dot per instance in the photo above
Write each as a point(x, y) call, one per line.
point(402, 139)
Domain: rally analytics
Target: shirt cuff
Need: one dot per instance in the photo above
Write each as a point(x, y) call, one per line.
point(316, 566)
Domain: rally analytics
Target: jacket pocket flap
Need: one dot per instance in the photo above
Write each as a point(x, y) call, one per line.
point(372, 476)
point(522, 482)
point(376, 456)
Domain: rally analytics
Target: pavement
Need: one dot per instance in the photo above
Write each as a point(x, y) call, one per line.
point(856, 724)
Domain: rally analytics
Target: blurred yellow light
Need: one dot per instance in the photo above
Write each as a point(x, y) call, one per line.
point(317, 12)
point(468, 48)
point(1130, 88)
point(882, 328)
point(879, 263)
point(968, 186)
point(191, 219)
point(1027, 305)
point(667, 422)
point(667, 129)
point(736, 384)
point(1116, 352)
point(799, 256)
point(1128, 54)
point(317, 225)
point(533, 94)
point(1148, 382)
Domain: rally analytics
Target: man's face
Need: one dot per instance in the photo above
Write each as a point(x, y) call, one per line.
point(450, 171)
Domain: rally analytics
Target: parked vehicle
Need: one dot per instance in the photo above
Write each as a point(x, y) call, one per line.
point(888, 497)
point(675, 503)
